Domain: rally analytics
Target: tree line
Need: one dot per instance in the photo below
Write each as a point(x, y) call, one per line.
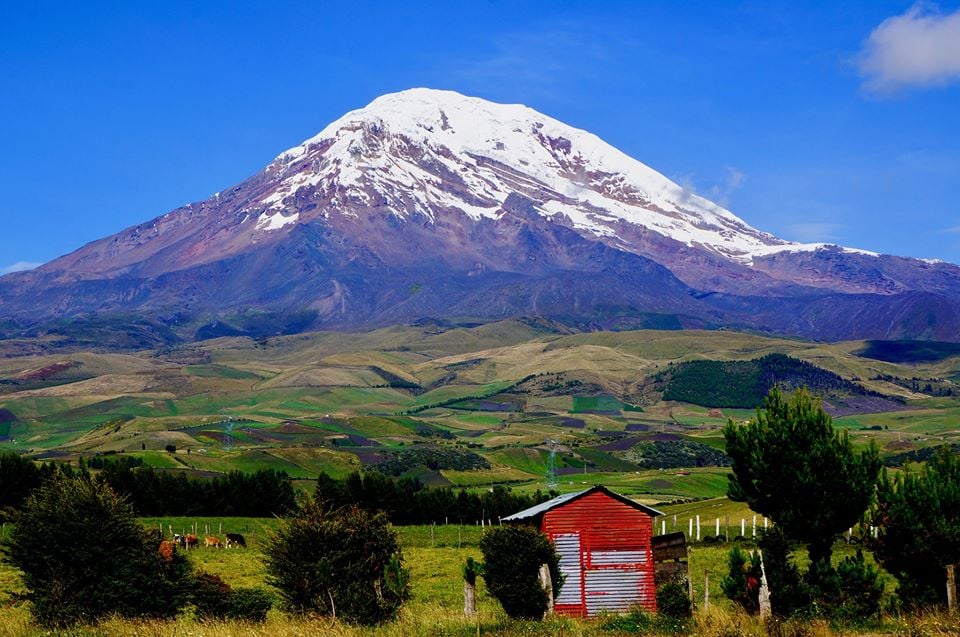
point(263, 493)
point(157, 493)
point(408, 501)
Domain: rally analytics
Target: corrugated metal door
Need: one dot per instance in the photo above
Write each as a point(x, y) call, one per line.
point(616, 580)
point(568, 548)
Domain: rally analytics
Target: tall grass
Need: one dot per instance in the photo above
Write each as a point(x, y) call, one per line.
point(440, 620)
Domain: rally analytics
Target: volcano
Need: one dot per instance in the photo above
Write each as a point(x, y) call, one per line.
point(428, 204)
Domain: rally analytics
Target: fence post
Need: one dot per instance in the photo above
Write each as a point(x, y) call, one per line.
point(698, 528)
point(469, 598)
point(706, 590)
point(765, 608)
point(951, 590)
point(547, 583)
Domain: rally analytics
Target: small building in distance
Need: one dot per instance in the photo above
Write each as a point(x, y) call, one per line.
point(604, 543)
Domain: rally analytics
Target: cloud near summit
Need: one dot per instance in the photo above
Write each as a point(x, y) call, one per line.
point(19, 266)
point(920, 48)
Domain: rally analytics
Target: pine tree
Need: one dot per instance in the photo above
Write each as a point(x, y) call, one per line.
point(792, 466)
point(918, 513)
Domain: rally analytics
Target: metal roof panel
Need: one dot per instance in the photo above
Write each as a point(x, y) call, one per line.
point(543, 507)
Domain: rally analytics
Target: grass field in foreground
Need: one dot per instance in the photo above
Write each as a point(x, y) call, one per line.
point(434, 556)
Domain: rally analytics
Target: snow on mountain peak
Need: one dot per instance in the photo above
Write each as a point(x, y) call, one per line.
point(428, 152)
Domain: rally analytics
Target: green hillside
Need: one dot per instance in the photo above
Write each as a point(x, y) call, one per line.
point(743, 384)
point(505, 403)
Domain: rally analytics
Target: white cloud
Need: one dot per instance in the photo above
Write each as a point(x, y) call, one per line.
point(920, 48)
point(720, 193)
point(19, 266)
point(814, 232)
point(953, 230)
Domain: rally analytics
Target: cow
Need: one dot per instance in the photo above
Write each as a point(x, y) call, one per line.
point(187, 541)
point(236, 539)
point(212, 541)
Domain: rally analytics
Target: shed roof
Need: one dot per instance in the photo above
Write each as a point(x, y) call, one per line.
point(560, 500)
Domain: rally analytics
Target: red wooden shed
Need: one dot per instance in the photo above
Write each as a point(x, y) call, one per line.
point(603, 540)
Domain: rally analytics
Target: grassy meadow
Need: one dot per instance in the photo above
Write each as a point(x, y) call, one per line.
point(434, 555)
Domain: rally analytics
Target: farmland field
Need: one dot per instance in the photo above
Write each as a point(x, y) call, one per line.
point(540, 405)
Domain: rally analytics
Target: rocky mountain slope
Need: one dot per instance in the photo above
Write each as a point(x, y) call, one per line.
point(427, 203)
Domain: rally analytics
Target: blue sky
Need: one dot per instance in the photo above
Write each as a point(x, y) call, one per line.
point(817, 121)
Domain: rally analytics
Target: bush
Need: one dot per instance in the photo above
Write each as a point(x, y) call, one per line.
point(210, 595)
point(672, 600)
point(636, 621)
point(215, 599)
point(249, 604)
point(788, 593)
point(741, 585)
point(345, 562)
point(861, 588)
point(84, 556)
point(512, 557)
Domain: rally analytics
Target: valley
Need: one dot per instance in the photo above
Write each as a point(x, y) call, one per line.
point(520, 403)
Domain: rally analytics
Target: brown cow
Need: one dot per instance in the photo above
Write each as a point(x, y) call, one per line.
point(212, 541)
point(187, 541)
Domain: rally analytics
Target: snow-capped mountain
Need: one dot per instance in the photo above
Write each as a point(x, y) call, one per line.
point(430, 203)
point(421, 152)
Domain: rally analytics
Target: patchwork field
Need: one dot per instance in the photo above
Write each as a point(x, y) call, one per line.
point(540, 405)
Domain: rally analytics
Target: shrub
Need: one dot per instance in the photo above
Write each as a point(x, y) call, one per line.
point(249, 604)
point(861, 588)
point(672, 599)
point(788, 593)
point(512, 556)
point(345, 562)
point(741, 585)
point(210, 595)
point(636, 621)
point(215, 599)
point(84, 556)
